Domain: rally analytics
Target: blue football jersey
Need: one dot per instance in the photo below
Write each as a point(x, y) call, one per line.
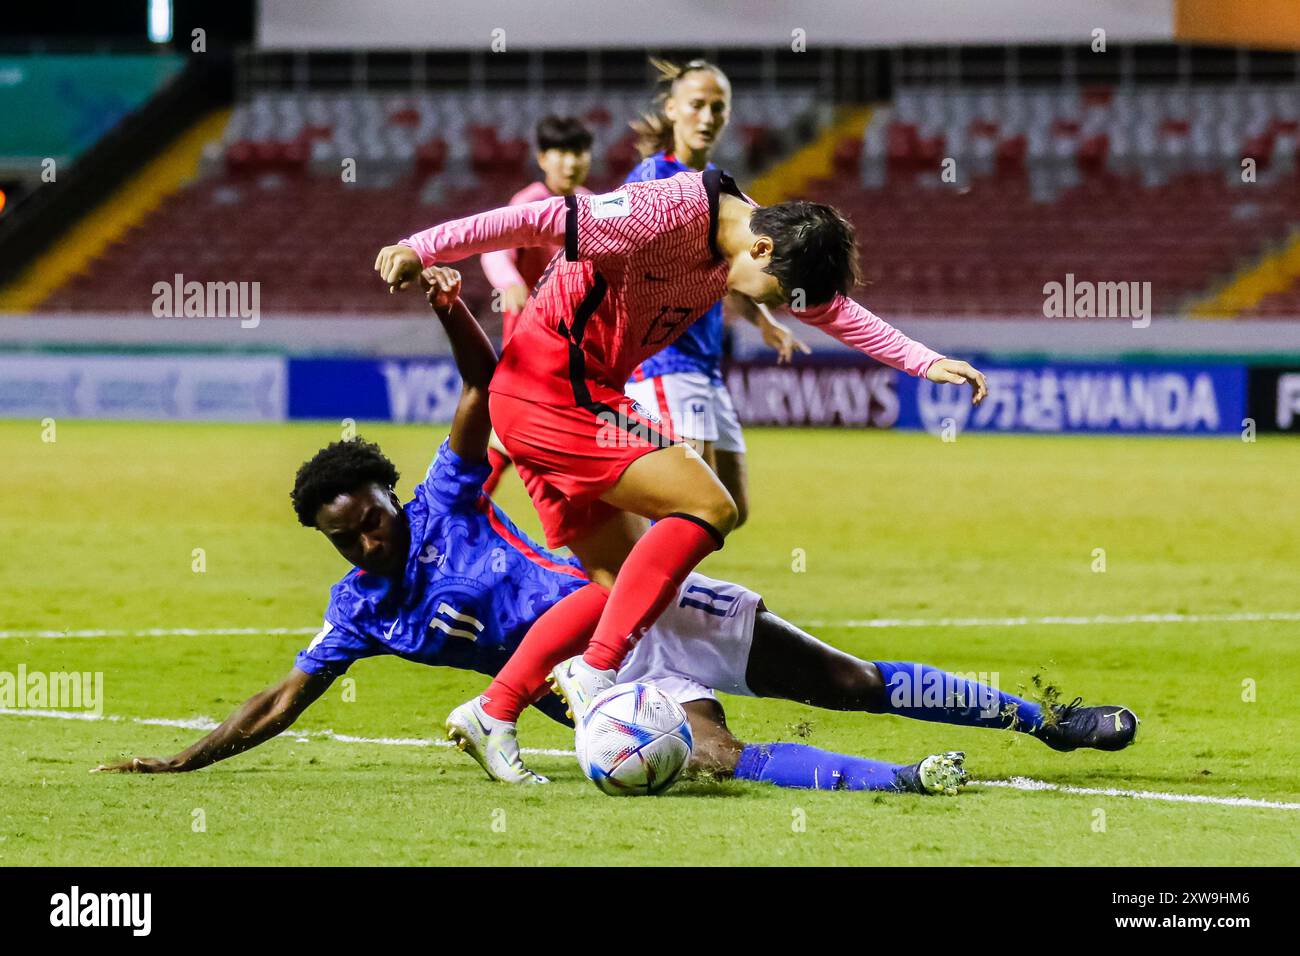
point(473, 584)
point(699, 349)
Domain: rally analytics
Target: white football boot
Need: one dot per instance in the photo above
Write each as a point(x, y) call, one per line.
point(941, 774)
point(491, 742)
point(578, 684)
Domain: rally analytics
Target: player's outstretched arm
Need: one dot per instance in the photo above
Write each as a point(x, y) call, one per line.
point(856, 326)
point(475, 357)
point(528, 224)
point(261, 717)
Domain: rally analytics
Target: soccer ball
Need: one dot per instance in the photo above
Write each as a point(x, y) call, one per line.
point(634, 740)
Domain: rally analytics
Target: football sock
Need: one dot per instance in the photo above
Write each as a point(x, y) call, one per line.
point(499, 463)
point(808, 768)
point(646, 583)
point(557, 635)
point(923, 692)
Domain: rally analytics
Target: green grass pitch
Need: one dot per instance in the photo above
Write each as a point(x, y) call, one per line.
point(99, 530)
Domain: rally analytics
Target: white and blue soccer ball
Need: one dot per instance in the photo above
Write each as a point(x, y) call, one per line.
point(633, 741)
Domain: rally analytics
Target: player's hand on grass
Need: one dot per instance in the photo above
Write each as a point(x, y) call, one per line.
point(957, 372)
point(514, 298)
point(139, 765)
point(398, 266)
point(778, 336)
point(442, 286)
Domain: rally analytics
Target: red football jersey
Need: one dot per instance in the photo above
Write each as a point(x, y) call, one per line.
point(639, 265)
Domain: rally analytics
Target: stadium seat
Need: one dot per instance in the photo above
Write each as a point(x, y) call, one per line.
point(1106, 183)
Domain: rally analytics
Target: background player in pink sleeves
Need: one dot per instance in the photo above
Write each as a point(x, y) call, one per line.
point(639, 265)
point(564, 157)
point(683, 382)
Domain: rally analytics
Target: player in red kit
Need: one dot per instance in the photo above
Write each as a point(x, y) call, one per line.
point(638, 265)
point(564, 157)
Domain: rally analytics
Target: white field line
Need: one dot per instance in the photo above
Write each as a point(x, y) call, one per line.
point(1015, 783)
point(877, 622)
point(1095, 620)
point(207, 723)
point(1027, 783)
point(163, 632)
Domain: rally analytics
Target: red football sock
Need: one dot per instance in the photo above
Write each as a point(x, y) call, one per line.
point(557, 635)
point(499, 463)
point(647, 583)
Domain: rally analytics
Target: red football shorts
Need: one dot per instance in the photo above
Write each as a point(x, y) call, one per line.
point(569, 455)
point(509, 320)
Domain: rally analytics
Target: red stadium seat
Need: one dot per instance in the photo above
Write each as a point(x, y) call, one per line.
point(1052, 183)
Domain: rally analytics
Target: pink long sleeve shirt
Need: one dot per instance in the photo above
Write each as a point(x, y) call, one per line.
point(523, 265)
point(640, 264)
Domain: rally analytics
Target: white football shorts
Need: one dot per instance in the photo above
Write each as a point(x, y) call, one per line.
point(693, 407)
point(699, 644)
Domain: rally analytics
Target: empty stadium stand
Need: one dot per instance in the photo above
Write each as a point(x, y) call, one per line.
point(273, 206)
point(479, 132)
point(1107, 184)
point(1142, 184)
point(1059, 135)
point(988, 249)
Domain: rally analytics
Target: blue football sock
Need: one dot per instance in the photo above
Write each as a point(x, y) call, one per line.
point(923, 692)
point(807, 768)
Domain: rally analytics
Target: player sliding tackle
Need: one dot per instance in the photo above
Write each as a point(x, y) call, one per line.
point(638, 266)
point(448, 580)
